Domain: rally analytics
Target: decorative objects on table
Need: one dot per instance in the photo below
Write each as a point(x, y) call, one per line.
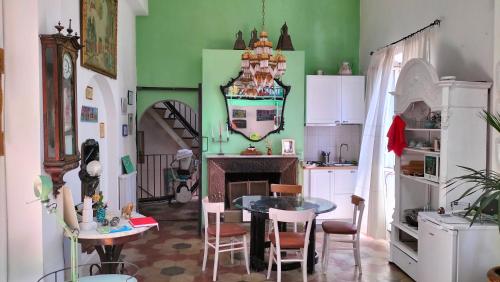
point(253, 39)
point(124, 106)
point(89, 114)
point(59, 71)
point(251, 150)
point(220, 139)
point(124, 130)
point(239, 44)
point(285, 41)
point(130, 124)
point(127, 210)
point(345, 69)
point(100, 207)
point(128, 166)
point(99, 35)
point(102, 130)
point(89, 93)
point(260, 68)
point(114, 221)
point(288, 147)
point(130, 97)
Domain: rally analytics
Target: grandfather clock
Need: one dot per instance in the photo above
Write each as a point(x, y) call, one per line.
point(59, 54)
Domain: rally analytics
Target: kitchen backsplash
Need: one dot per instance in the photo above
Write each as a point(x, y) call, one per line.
point(326, 138)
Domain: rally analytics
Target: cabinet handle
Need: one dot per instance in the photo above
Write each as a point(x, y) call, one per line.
point(353, 171)
point(345, 121)
point(329, 171)
point(432, 234)
point(337, 121)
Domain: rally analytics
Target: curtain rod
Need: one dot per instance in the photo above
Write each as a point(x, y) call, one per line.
point(434, 23)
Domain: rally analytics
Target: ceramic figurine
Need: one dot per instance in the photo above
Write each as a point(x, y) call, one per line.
point(253, 38)
point(239, 44)
point(345, 69)
point(285, 41)
point(127, 210)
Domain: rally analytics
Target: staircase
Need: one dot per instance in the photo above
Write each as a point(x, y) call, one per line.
point(182, 119)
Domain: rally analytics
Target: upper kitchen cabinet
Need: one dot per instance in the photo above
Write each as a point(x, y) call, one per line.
point(334, 100)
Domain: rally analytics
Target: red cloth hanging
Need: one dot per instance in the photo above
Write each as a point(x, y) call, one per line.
point(396, 135)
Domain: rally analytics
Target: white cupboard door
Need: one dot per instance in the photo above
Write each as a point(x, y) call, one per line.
point(345, 181)
point(353, 99)
point(321, 188)
point(323, 100)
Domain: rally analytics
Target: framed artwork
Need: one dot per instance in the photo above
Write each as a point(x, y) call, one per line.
point(124, 106)
point(239, 113)
point(88, 114)
point(124, 130)
point(98, 25)
point(287, 147)
point(89, 93)
point(102, 130)
point(264, 115)
point(128, 166)
point(130, 97)
point(130, 124)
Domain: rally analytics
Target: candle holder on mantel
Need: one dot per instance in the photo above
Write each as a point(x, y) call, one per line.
point(220, 140)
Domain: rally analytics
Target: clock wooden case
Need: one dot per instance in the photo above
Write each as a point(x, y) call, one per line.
point(60, 126)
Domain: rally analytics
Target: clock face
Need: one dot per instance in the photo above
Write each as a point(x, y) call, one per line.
point(67, 66)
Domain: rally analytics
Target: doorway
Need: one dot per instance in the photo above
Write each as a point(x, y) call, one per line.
point(169, 158)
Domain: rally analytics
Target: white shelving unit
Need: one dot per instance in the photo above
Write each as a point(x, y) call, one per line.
point(463, 142)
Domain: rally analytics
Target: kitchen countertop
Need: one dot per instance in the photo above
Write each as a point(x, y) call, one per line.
point(330, 167)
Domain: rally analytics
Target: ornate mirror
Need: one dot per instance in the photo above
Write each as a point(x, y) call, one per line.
point(252, 112)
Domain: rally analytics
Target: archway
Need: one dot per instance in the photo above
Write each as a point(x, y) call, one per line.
point(164, 128)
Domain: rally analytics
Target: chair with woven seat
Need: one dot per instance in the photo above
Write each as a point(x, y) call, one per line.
point(345, 228)
point(289, 241)
point(222, 237)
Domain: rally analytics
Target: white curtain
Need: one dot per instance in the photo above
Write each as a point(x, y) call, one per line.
point(370, 180)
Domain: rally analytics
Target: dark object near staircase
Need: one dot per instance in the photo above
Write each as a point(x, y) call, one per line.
point(182, 119)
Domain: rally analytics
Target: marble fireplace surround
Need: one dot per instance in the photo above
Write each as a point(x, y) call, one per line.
point(218, 166)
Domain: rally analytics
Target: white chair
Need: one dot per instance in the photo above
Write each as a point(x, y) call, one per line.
point(222, 237)
point(345, 228)
point(289, 241)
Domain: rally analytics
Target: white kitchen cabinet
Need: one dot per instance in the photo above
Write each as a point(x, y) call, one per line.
point(334, 100)
point(323, 102)
point(353, 99)
point(322, 187)
point(336, 185)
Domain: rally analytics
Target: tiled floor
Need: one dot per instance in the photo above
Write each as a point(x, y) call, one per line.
point(175, 253)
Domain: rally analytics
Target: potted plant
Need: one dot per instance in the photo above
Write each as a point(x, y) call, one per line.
point(487, 183)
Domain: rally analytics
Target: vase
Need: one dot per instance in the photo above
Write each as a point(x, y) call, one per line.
point(345, 69)
point(101, 214)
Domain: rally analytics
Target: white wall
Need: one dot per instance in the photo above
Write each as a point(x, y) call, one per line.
point(29, 228)
point(23, 138)
point(464, 42)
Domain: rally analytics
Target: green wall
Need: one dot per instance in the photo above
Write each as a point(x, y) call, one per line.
point(170, 40)
point(219, 66)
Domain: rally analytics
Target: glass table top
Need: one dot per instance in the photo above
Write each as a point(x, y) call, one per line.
point(262, 204)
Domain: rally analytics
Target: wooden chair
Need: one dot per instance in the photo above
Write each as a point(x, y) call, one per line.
point(279, 190)
point(289, 241)
point(345, 228)
point(222, 237)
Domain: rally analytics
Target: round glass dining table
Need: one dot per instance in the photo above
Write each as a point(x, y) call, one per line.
point(259, 207)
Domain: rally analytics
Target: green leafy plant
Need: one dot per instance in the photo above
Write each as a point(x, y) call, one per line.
point(486, 182)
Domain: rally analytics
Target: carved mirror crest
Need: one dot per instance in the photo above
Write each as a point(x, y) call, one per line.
point(252, 112)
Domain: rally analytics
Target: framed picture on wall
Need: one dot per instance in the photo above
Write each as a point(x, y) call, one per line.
point(130, 124)
point(124, 130)
point(124, 106)
point(287, 147)
point(98, 25)
point(130, 97)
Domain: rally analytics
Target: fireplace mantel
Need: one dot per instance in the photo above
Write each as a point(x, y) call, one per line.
point(219, 165)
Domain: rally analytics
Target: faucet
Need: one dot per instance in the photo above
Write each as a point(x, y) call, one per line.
point(340, 154)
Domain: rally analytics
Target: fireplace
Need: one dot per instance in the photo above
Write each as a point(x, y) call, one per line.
point(232, 176)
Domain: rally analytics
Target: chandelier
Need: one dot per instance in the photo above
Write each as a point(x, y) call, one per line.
point(259, 66)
